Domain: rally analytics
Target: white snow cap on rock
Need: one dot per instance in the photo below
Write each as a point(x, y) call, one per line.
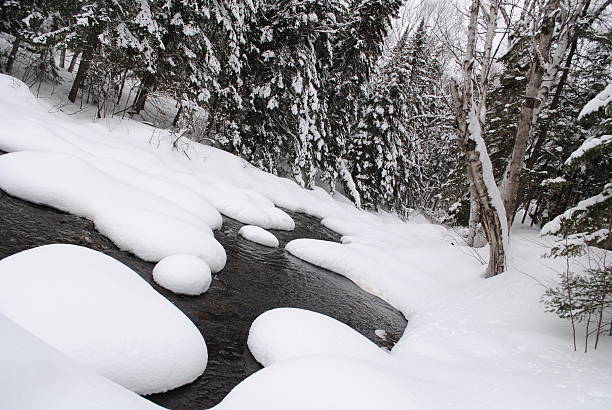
point(183, 274)
point(102, 314)
point(35, 376)
point(288, 333)
point(258, 235)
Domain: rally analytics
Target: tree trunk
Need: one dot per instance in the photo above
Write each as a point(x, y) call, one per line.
point(73, 61)
point(542, 72)
point(63, 58)
point(13, 54)
point(474, 220)
point(177, 117)
point(88, 53)
point(148, 81)
point(468, 124)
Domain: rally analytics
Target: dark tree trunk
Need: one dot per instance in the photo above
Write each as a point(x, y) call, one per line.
point(120, 93)
point(11, 58)
point(88, 53)
point(148, 81)
point(73, 61)
point(177, 116)
point(63, 58)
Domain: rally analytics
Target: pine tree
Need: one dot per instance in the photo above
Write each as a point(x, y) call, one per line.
point(357, 47)
point(285, 114)
point(399, 140)
point(588, 170)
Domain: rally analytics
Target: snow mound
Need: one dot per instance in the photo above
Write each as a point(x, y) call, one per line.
point(258, 235)
point(35, 376)
point(321, 383)
point(248, 207)
point(102, 314)
point(183, 274)
point(288, 333)
point(145, 224)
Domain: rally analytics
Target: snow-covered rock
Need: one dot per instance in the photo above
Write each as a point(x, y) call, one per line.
point(287, 333)
point(183, 274)
point(321, 383)
point(35, 376)
point(102, 314)
point(258, 235)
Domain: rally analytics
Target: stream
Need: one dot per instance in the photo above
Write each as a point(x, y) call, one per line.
point(255, 279)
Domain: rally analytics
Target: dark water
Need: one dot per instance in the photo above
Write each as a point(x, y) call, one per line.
point(255, 279)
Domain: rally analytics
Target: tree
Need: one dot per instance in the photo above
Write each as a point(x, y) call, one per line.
point(589, 222)
point(402, 125)
point(470, 113)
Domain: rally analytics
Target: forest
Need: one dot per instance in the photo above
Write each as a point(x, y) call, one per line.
point(479, 116)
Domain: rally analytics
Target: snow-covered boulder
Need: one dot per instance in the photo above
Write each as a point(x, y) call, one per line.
point(258, 235)
point(247, 206)
point(183, 274)
point(35, 376)
point(288, 333)
point(321, 383)
point(102, 314)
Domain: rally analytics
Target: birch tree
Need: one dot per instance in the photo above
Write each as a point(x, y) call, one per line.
point(546, 31)
point(469, 105)
point(553, 29)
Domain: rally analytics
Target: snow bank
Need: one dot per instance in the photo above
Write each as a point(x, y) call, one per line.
point(197, 180)
point(288, 333)
point(35, 376)
point(258, 235)
point(135, 220)
point(404, 273)
point(492, 342)
point(102, 314)
point(183, 274)
point(321, 383)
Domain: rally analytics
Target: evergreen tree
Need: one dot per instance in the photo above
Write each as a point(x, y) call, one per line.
point(285, 114)
point(588, 170)
point(399, 141)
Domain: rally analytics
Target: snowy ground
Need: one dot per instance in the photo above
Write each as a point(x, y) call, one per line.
point(470, 343)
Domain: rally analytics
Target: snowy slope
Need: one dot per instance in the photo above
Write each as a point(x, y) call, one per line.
point(42, 378)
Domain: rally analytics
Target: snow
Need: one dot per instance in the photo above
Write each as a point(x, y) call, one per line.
point(42, 378)
point(553, 181)
point(103, 315)
point(553, 227)
point(288, 333)
point(601, 100)
point(588, 145)
point(258, 235)
point(183, 274)
point(134, 220)
point(320, 383)
point(487, 174)
point(469, 342)
point(107, 171)
point(381, 334)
